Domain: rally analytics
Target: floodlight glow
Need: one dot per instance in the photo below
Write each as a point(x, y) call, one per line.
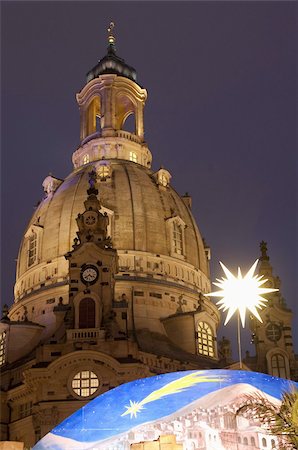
point(241, 293)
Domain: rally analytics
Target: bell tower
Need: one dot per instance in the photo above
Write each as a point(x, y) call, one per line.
point(273, 338)
point(92, 267)
point(109, 98)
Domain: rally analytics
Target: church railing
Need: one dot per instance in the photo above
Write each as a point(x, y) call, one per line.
point(127, 135)
point(85, 334)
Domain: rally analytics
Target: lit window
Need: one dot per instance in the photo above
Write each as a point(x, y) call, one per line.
point(32, 249)
point(86, 159)
point(178, 238)
point(133, 157)
point(164, 180)
point(2, 347)
point(103, 172)
point(85, 383)
point(278, 366)
point(205, 339)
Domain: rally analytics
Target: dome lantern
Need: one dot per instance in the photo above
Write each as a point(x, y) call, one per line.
point(111, 112)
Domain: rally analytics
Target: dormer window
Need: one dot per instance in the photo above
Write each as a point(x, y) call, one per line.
point(176, 230)
point(164, 180)
point(178, 238)
point(133, 157)
point(33, 237)
point(103, 172)
point(32, 250)
point(86, 159)
point(163, 177)
point(50, 184)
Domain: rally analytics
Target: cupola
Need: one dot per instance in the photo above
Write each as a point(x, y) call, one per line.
point(109, 98)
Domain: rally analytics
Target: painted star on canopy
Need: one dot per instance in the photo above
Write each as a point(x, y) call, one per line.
point(241, 293)
point(133, 409)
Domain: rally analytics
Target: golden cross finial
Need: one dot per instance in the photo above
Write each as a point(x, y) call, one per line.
point(111, 37)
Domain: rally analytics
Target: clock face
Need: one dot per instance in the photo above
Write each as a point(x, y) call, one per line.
point(89, 275)
point(90, 220)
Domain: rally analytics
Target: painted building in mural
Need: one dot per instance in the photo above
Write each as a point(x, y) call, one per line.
point(111, 275)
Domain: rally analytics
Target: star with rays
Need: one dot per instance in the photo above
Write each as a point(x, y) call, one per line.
point(171, 388)
point(241, 293)
point(133, 409)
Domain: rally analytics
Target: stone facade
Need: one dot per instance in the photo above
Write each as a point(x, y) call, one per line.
point(273, 337)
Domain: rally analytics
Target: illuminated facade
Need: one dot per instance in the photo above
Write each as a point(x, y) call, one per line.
point(111, 271)
point(272, 338)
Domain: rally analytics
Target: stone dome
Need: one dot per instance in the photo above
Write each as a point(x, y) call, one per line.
point(162, 264)
point(140, 211)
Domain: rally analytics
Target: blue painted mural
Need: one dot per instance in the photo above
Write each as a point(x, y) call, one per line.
point(198, 407)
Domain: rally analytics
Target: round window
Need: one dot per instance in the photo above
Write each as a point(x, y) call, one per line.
point(85, 383)
point(273, 332)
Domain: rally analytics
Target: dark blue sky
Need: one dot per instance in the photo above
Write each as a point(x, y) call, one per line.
point(220, 114)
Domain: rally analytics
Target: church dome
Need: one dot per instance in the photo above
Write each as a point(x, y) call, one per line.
point(142, 214)
point(162, 264)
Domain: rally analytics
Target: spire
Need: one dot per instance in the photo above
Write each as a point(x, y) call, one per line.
point(263, 248)
point(112, 63)
point(111, 37)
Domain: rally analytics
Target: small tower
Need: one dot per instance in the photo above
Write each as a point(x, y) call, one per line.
point(273, 337)
point(110, 96)
point(92, 266)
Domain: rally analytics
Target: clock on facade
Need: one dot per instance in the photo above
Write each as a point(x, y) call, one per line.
point(89, 274)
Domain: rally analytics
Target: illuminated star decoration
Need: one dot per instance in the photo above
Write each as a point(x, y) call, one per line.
point(241, 293)
point(173, 387)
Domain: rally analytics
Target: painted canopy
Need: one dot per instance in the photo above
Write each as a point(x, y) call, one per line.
point(197, 407)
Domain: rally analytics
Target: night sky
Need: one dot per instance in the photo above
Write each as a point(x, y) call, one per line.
point(220, 114)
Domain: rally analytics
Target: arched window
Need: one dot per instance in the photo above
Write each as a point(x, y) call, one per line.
point(93, 117)
point(178, 238)
point(32, 250)
point(87, 313)
point(264, 442)
point(129, 124)
point(278, 365)
point(273, 443)
point(253, 441)
point(245, 441)
point(205, 339)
